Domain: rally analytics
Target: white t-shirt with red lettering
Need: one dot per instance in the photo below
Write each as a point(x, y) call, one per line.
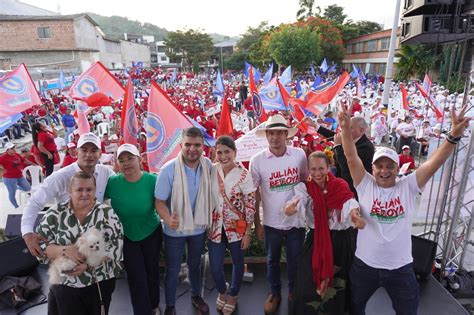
point(277, 177)
point(385, 242)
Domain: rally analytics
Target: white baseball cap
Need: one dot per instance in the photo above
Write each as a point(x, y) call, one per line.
point(386, 152)
point(9, 145)
point(89, 138)
point(405, 147)
point(127, 147)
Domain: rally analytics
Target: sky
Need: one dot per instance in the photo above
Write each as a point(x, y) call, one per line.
point(225, 17)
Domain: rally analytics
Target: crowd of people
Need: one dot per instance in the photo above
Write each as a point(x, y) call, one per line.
point(331, 194)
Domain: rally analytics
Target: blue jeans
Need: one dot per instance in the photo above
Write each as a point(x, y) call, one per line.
point(274, 239)
point(216, 261)
point(174, 248)
point(67, 132)
point(400, 284)
point(12, 185)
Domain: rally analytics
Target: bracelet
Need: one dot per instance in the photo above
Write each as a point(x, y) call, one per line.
point(452, 139)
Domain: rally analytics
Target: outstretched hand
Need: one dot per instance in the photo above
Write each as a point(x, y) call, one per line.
point(459, 122)
point(344, 115)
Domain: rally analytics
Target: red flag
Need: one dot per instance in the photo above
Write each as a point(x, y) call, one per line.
point(17, 92)
point(129, 121)
point(164, 125)
point(98, 99)
point(404, 97)
point(225, 123)
point(325, 92)
point(96, 79)
point(81, 118)
point(430, 101)
point(293, 105)
point(256, 100)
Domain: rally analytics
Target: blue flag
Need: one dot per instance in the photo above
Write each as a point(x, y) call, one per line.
point(285, 77)
point(311, 71)
point(256, 73)
point(173, 76)
point(361, 74)
point(316, 83)
point(268, 76)
point(271, 98)
point(6, 122)
point(299, 90)
point(354, 73)
point(219, 86)
point(324, 66)
point(332, 68)
point(62, 81)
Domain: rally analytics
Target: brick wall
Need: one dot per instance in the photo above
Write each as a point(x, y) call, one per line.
point(23, 35)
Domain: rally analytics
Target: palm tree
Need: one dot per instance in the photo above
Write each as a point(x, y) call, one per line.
point(414, 61)
point(306, 10)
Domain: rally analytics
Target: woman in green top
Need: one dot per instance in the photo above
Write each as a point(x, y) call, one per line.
point(132, 195)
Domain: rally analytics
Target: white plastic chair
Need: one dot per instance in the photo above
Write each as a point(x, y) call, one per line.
point(70, 138)
point(36, 175)
point(4, 140)
point(103, 128)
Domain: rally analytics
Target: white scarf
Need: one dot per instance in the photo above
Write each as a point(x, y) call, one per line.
point(180, 202)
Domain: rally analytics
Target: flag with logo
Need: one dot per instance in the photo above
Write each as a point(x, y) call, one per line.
point(164, 125)
point(271, 97)
point(129, 121)
point(430, 101)
point(325, 93)
point(293, 104)
point(256, 100)
point(17, 92)
point(96, 79)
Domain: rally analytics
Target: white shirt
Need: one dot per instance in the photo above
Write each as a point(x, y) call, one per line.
point(60, 143)
point(56, 186)
point(277, 177)
point(385, 242)
point(406, 129)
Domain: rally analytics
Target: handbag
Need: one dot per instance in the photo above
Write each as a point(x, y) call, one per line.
point(240, 224)
point(15, 292)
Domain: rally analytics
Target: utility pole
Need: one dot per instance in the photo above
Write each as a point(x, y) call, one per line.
point(391, 56)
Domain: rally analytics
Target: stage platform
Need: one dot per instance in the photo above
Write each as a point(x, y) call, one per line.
point(434, 298)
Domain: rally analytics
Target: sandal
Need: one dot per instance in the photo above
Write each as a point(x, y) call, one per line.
point(230, 308)
point(220, 303)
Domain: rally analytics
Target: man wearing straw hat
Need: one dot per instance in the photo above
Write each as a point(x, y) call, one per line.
point(276, 171)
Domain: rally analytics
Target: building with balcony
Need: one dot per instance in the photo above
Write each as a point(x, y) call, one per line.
point(370, 52)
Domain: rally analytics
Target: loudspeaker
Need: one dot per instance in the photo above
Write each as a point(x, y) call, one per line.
point(16, 259)
point(423, 252)
point(13, 227)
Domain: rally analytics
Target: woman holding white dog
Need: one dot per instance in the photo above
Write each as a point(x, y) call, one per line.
point(82, 289)
point(132, 195)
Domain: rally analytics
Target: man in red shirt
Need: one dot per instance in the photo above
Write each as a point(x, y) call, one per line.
point(406, 157)
point(11, 164)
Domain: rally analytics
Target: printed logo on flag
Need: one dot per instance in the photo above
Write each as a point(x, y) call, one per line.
point(13, 85)
point(155, 132)
point(325, 86)
point(131, 121)
point(257, 104)
point(87, 86)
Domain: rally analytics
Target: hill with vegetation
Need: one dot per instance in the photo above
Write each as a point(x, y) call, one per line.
point(115, 26)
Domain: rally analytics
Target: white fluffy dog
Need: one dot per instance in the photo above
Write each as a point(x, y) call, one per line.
point(91, 245)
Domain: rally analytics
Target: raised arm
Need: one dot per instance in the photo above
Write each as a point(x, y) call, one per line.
point(356, 167)
point(429, 168)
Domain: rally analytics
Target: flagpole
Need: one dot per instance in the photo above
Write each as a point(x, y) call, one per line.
point(391, 55)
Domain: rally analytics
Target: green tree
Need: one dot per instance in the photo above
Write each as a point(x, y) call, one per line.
point(359, 28)
point(335, 13)
point(414, 61)
point(253, 44)
point(252, 36)
point(307, 9)
point(295, 46)
point(190, 46)
point(236, 61)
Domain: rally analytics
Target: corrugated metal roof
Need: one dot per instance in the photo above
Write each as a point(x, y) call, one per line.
point(226, 44)
point(15, 7)
point(46, 17)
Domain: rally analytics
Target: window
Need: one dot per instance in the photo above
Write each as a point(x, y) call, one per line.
point(359, 47)
point(372, 45)
point(162, 49)
point(385, 43)
point(349, 49)
point(382, 68)
point(163, 58)
point(406, 28)
point(44, 32)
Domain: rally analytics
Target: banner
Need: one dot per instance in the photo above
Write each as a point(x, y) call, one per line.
point(164, 125)
point(17, 92)
point(96, 79)
point(249, 144)
point(256, 100)
point(430, 101)
point(129, 121)
point(6, 122)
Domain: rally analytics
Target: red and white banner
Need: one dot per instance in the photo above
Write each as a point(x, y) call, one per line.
point(164, 125)
point(17, 92)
